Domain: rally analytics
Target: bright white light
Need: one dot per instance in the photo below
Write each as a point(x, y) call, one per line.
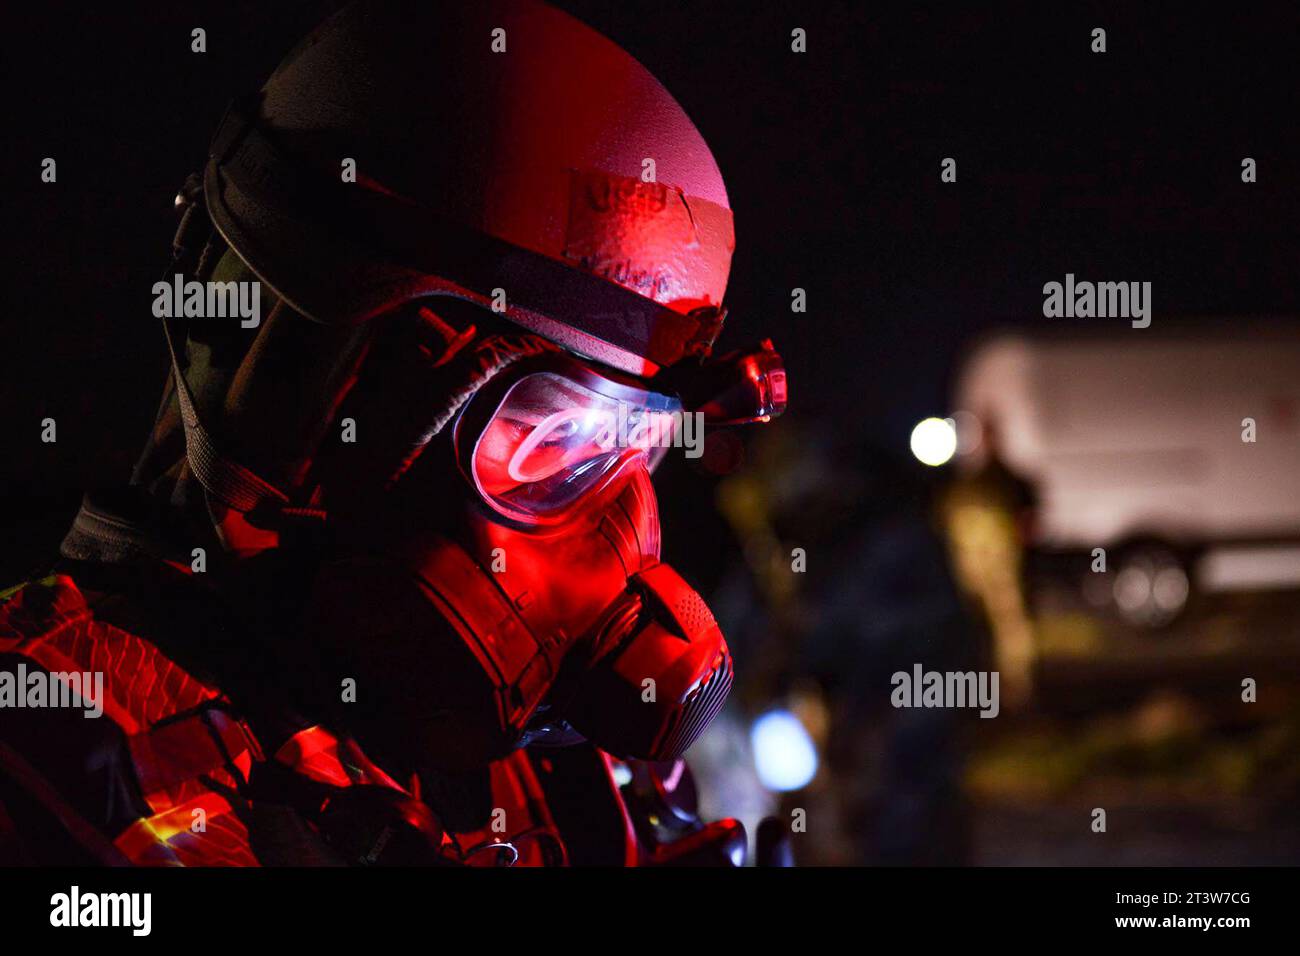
point(784, 754)
point(622, 773)
point(934, 440)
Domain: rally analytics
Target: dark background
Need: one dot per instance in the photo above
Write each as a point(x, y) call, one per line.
point(1122, 166)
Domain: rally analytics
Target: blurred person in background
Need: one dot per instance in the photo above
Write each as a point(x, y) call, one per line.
point(845, 582)
point(987, 512)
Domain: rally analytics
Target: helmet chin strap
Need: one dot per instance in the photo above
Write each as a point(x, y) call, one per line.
point(232, 484)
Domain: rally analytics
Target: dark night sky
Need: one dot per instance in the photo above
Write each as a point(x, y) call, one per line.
point(1116, 166)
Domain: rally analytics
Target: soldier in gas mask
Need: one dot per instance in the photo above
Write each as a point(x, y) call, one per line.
point(392, 539)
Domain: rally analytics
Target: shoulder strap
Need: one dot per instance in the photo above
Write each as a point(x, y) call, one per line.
point(225, 479)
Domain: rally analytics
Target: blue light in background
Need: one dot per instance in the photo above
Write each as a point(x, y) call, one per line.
point(784, 754)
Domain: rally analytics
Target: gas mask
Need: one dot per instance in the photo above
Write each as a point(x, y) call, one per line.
point(524, 601)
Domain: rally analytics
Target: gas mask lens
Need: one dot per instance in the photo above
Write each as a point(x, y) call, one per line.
point(553, 441)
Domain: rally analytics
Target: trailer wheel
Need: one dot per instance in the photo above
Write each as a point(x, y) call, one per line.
point(1152, 585)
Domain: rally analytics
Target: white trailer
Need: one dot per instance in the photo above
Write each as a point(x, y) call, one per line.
point(1189, 440)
